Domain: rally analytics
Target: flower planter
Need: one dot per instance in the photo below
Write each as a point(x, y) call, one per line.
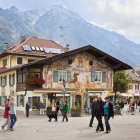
point(75, 112)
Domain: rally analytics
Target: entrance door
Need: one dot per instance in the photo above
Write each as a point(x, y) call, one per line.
point(78, 98)
point(51, 97)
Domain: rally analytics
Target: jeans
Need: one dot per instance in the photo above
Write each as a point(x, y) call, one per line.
point(65, 116)
point(13, 120)
point(107, 117)
point(100, 124)
point(121, 110)
point(91, 121)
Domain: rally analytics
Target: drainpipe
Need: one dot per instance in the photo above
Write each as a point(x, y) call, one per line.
point(25, 84)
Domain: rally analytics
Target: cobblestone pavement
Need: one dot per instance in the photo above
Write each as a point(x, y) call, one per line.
point(38, 128)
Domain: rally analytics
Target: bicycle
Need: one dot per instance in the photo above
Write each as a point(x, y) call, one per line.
point(128, 111)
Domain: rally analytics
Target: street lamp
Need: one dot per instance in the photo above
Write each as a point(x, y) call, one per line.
point(64, 83)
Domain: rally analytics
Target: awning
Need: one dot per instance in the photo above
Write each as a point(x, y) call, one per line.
point(109, 94)
point(136, 94)
point(53, 91)
point(126, 95)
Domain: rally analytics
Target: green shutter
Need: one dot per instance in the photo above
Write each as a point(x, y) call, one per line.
point(92, 76)
point(5, 80)
point(9, 79)
point(17, 100)
point(1, 81)
point(9, 96)
point(13, 78)
point(103, 77)
point(5, 62)
point(55, 76)
point(69, 76)
point(23, 100)
point(0, 100)
point(5, 99)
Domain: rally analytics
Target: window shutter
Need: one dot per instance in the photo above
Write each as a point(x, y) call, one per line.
point(9, 96)
point(103, 77)
point(5, 62)
point(1, 81)
point(23, 100)
point(5, 99)
point(5, 80)
point(0, 100)
point(92, 76)
point(55, 76)
point(17, 100)
point(13, 78)
point(9, 79)
point(69, 76)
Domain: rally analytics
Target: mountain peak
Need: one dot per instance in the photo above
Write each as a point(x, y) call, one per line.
point(14, 8)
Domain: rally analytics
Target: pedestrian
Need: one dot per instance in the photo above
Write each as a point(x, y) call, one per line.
point(108, 112)
point(138, 103)
point(132, 105)
point(6, 116)
point(92, 113)
point(57, 106)
point(66, 110)
point(121, 104)
point(41, 107)
point(47, 103)
point(128, 101)
point(62, 106)
point(12, 113)
point(27, 109)
point(53, 105)
point(99, 104)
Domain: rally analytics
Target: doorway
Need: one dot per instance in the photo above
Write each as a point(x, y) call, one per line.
point(78, 98)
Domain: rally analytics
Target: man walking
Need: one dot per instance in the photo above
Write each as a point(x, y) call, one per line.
point(138, 103)
point(121, 104)
point(99, 104)
point(41, 107)
point(6, 116)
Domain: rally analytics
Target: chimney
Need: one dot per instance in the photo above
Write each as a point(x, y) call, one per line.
point(66, 49)
point(49, 54)
point(6, 46)
point(22, 39)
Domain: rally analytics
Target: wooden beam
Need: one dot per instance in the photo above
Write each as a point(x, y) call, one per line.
point(101, 58)
point(116, 66)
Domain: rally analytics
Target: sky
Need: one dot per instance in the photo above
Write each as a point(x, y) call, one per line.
point(121, 16)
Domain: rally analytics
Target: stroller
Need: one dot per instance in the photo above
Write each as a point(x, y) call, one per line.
point(51, 114)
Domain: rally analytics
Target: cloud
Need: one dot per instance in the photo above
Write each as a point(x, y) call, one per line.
point(134, 34)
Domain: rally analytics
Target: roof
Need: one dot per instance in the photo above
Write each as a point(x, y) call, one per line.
point(3, 68)
point(31, 41)
point(114, 63)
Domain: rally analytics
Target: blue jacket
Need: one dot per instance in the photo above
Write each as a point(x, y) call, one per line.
point(101, 109)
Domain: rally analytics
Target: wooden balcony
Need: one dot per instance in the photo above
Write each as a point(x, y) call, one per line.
point(21, 87)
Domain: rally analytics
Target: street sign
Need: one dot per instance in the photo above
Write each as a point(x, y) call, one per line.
point(67, 88)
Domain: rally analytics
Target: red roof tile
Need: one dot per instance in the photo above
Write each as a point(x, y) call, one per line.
point(3, 68)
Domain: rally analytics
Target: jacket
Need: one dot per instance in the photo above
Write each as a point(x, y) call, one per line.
point(111, 111)
point(132, 104)
point(93, 109)
point(67, 108)
point(41, 105)
point(6, 111)
point(12, 108)
point(138, 102)
point(101, 107)
point(121, 105)
point(27, 106)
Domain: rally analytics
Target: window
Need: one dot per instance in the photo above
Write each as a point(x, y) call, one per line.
point(41, 49)
point(136, 87)
point(19, 60)
point(33, 48)
point(37, 48)
point(130, 87)
point(4, 80)
point(61, 76)
point(4, 62)
point(30, 60)
point(12, 79)
point(97, 76)
point(34, 72)
point(20, 78)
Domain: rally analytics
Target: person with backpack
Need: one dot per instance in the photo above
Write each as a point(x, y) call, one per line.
point(6, 116)
point(66, 110)
point(132, 105)
point(121, 104)
point(138, 104)
point(12, 113)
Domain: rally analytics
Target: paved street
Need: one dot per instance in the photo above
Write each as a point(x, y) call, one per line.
point(38, 128)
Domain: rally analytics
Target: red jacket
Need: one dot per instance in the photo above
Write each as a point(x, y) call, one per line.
point(6, 111)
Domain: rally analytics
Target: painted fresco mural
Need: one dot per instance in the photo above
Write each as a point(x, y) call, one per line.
point(80, 73)
point(3, 91)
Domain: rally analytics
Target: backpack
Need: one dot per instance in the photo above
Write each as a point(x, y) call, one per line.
point(8, 107)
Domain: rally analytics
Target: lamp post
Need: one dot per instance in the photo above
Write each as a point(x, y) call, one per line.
point(64, 84)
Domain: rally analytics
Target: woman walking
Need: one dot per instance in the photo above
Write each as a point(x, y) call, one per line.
point(108, 112)
point(6, 116)
point(12, 113)
point(92, 112)
point(27, 109)
point(66, 110)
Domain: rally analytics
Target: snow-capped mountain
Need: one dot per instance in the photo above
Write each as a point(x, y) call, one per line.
point(78, 33)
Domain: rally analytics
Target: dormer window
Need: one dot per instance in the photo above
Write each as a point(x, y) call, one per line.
point(19, 60)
